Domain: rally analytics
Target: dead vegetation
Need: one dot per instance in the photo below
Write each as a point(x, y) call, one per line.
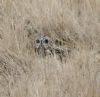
point(72, 24)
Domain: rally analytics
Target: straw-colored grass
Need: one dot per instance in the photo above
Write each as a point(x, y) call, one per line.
point(22, 74)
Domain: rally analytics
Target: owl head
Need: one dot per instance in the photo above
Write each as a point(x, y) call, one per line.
point(43, 44)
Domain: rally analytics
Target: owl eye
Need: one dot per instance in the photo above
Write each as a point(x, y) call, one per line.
point(46, 41)
point(37, 41)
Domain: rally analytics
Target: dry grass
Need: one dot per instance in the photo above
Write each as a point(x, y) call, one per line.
point(22, 74)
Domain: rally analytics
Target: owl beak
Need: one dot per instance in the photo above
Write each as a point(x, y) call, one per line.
point(41, 43)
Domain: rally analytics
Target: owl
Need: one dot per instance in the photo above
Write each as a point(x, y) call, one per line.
point(43, 45)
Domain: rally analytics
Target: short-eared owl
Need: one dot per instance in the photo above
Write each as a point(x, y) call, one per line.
point(45, 45)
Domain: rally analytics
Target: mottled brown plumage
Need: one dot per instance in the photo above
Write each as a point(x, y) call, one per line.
point(45, 46)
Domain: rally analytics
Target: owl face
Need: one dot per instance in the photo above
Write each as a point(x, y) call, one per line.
point(42, 45)
point(43, 42)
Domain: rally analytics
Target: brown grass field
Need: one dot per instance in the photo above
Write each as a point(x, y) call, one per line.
point(24, 74)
